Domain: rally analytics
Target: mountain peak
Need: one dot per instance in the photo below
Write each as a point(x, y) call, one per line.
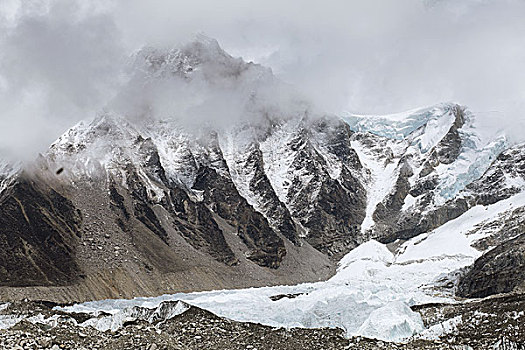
point(199, 53)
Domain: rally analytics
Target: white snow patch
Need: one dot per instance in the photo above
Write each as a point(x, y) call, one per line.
point(435, 130)
point(409, 201)
point(371, 250)
point(452, 239)
point(381, 183)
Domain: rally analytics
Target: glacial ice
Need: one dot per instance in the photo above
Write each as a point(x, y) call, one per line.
point(116, 320)
point(370, 295)
point(398, 126)
point(472, 163)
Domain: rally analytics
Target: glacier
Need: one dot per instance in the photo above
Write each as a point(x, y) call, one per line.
point(370, 295)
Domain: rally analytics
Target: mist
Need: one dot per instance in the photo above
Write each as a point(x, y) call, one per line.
point(62, 61)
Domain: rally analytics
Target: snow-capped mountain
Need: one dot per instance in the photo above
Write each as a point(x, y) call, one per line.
point(418, 161)
point(153, 196)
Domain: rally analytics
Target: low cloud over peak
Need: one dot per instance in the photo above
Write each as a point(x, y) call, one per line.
point(62, 61)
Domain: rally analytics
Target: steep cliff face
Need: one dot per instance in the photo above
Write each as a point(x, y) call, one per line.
point(314, 196)
point(266, 248)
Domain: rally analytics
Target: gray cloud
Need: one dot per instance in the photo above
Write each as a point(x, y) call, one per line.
point(61, 60)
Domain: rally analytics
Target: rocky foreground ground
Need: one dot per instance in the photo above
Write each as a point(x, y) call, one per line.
point(492, 323)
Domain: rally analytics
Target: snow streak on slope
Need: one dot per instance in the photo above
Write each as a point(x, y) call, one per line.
point(175, 151)
point(436, 244)
point(236, 146)
point(370, 295)
point(379, 184)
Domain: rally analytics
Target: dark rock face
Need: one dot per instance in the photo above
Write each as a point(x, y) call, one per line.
point(142, 208)
point(500, 270)
point(337, 137)
point(196, 224)
point(39, 229)
point(449, 148)
point(332, 227)
point(220, 194)
point(193, 220)
point(392, 204)
point(413, 224)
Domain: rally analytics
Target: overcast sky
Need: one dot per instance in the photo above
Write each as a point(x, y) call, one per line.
point(61, 60)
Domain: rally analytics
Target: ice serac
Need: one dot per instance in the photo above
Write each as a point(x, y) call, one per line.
point(161, 313)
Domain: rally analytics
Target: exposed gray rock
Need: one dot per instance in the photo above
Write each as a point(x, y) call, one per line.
point(500, 270)
point(221, 196)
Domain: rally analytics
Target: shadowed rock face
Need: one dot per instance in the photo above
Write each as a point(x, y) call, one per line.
point(500, 270)
point(196, 224)
point(221, 196)
point(193, 220)
point(39, 229)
